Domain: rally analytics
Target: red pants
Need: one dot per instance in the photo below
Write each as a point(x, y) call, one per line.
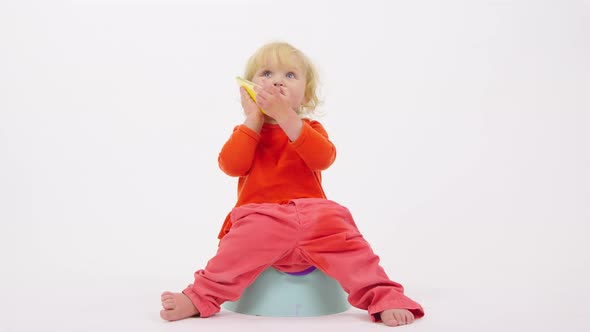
point(292, 237)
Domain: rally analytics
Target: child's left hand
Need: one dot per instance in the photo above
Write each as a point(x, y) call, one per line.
point(273, 101)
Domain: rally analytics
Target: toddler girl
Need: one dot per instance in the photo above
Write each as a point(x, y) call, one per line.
point(282, 218)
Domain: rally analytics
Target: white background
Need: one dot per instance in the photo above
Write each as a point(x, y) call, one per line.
point(462, 137)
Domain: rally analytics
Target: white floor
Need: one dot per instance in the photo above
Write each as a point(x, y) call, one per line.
point(493, 309)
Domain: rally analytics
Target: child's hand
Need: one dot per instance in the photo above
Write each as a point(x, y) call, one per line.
point(253, 114)
point(273, 101)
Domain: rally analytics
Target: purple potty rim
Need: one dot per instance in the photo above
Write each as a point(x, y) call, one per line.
point(304, 272)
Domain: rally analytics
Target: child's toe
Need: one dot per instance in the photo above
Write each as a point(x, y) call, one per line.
point(169, 304)
point(391, 322)
point(165, 314)
point(389, 319)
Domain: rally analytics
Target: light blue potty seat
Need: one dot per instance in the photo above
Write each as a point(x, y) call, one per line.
point(301, 294)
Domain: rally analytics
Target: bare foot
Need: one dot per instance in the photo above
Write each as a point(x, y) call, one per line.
point(177, 306)
point(396, 317)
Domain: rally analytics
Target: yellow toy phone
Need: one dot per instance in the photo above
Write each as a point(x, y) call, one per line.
point(249, 86)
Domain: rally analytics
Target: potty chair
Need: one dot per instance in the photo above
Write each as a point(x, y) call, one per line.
point(301, 294)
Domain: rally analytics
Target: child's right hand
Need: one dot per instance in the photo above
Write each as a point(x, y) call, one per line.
point(248, 104)
point(254, 117)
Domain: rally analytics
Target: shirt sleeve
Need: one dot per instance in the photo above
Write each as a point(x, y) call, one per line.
point(237, 154)
point(314, 147)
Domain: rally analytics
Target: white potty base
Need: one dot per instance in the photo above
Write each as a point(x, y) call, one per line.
point(278, 294)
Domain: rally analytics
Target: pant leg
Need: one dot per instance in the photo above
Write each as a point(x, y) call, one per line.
point(261, 235)
point(333, 243)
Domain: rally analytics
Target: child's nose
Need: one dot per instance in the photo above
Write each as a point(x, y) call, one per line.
point(279, 84)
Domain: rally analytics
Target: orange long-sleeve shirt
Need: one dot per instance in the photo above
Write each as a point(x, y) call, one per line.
point(272, 169)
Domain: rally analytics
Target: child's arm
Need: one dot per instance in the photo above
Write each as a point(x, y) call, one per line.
point(291, 124)
point(237, 154)
point(314, 147)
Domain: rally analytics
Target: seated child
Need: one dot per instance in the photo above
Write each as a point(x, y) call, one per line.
point(282, 218)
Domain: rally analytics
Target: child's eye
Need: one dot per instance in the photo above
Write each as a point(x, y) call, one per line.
point(266, 73)
point(290, 75)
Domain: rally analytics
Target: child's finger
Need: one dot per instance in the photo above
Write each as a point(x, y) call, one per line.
point(261, 102)
point(245, 96)
point(262, 96)
point(276, 89)
point(264, 92)
point(243, 92)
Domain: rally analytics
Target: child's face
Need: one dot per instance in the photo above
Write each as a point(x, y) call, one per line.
point(290, 79)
